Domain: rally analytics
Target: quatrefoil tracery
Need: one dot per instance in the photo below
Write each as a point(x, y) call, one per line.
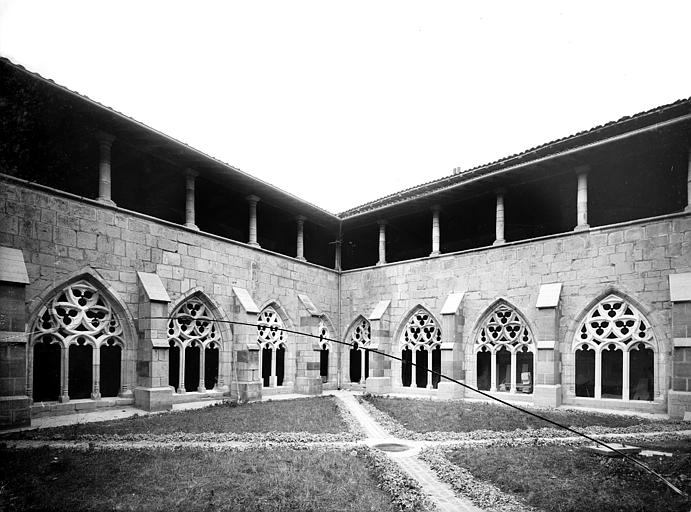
point(504, 328)
point(79, 314)
point(361, 335)
point(270, 332)
point(192, 323)
point(421, 332)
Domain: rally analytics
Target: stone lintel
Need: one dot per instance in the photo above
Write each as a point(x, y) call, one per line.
point(682, 342)
point(309, 305)
point(452, 303)
point(379, 310)
point(246, 300)
point(153, 287)
point(12, 267)
point(548, 297)
point(680, 287)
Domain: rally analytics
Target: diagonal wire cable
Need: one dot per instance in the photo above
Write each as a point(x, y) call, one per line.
point(440, 375)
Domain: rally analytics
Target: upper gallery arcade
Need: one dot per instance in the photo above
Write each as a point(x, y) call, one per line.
point(558, 275)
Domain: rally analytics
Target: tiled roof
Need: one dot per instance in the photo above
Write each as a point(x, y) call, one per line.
point(623, 125)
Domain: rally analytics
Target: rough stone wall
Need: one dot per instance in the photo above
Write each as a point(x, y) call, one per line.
point(60, 235)
point(633, 258)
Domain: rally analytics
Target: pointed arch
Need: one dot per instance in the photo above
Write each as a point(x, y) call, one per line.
point(325, 331)
point(273, 342)
point(197, 335)
point(359, 332)
point(615, 350)
point(504, 349)
point(81, 337)
point(359, 336)
point(419, 329)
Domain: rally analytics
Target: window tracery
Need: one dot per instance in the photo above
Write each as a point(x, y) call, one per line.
point(613, 320)
point(503, 327)
point(361, 334)
point(79, 314)
point(421, 331)
point(270, 332)
point(324, 341)
point(193, 323)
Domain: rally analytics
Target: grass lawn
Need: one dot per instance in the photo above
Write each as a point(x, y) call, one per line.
point(316, 415)
point(261, 480)
point(429, 416)
point(564, 479)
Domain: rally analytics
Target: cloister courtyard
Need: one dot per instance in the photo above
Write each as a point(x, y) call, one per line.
point(342, 451)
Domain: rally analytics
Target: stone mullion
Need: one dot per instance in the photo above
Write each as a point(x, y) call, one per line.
point(64, 371)
point(499, 219)
point(273, 378)
point(598, 374)
point(625, 361)
point(300, 252)
point(513, 371)
point(363, 355)
point(413, 368)
point(435, 231)
point(493, 370)
point(181, 370)
point(96, 373)
point(253, 238)
point(105, 143)
point(429, 367)
point(582, 198)
point(190, 177)
point(202, 368)
point(382, 242)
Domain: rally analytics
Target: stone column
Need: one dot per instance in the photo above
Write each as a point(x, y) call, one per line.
point(202, 363)
point(582, 200)
point(96, 373)
point(499, 227)
point(64, 377)
point(493, 371)
point(514, 370)
point(181, 372)
point(429, 367)
point(190, 176)
point(363, 376)
point(252, 201)
point(301, 237)
point(105, 143)
point(382, 242)
point(688, 185)
point(625, 362)
point(273, 379)
point(598, 375)
point(413, 368)
point(435, 231)
point(337, 256)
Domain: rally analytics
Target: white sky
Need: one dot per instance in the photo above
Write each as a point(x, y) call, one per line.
point(343, 102)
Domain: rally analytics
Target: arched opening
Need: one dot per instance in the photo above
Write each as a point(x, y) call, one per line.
point(174, 365)
point(503, 369)
point(641, 373)
point(612, 371)
point(46, 370)
point(421, 368)
point(406, 367)
point(324, 364)
point(80, 381)
point(111, 357)
point(266, 366)
point(192, 355)
point(524, 370)
point(484, 369)
point(211, 357)
point(355, 364)
point(280, 365)
point(585, 372)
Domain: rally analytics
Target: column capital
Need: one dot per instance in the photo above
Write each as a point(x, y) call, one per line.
point(300, 219)
point(582, 169)
point(500, 191)
point(253, 199)
point(105, 137)
point(382, 222)
point(435, 208)
point(191, 173)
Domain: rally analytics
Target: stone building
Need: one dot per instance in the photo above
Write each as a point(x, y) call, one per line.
point(135, 269)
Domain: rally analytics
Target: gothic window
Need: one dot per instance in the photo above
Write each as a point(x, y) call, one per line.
point(504, 352)
point(360, 338)
point(271, 338)
point(420, 344)
point(194, 345)
point(325, 346)
point(79, 320)
point(615, 353)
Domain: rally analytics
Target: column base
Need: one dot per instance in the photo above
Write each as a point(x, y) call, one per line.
point(254, 244)
point(15, 411)
point(547, 395)
point(582, 227)
point(499, 242)
point(153, 399)
point(379, 263)
point(679, 404)
point(301, 258)
point(308, 385)
point(434, 253)
point(378, 385)
point(107, 201)
point(192, 226)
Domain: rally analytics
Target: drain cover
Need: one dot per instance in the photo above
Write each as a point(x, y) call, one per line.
point(392, 447)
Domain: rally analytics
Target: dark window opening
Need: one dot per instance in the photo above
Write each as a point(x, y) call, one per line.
point(46, 370)
point(484, 369)
point(192, 355)
point(174, 366)
point(421, 368)
point(211, 355)
point(110, 370)
point(585, 372)
point(612, 371)
point(80, 381)
point(266, 366)
point(406, 367)
point(641, 374)
point(324, 364)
